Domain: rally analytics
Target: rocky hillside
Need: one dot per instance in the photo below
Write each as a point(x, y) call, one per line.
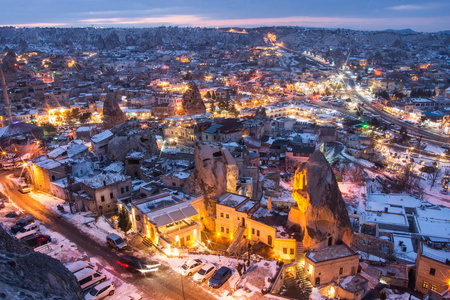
point(26, 274)
point(192, 38)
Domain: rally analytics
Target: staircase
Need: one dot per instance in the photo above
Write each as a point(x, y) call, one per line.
point(147, 242)
point(299, 251)
point(237, 240)
point(305, 284)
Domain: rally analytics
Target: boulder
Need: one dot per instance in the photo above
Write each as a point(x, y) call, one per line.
point(321, 213)
point(26, 274)
point(192, 100)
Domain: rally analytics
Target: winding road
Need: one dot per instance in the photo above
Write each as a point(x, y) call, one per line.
point(165, 284)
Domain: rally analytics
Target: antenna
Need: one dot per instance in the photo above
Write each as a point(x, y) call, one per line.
point(5, 95)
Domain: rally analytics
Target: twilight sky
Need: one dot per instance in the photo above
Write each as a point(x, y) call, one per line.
point(419, 15)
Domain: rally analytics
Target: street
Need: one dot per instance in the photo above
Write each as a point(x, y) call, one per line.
point(165, 284)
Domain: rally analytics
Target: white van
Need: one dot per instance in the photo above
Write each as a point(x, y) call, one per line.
point(88, 277)
point(80, 265)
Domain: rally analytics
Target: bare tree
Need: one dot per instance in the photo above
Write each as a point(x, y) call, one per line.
point(434, 176)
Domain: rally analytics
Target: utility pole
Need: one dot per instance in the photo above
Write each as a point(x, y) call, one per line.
point(5, 95)
point(68, 190)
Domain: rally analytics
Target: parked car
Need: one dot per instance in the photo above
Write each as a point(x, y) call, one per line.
point(205, 273)
point(37, 240)
point(21, 224)
point(115, 241)
point(23, 235)
point(80, 265)
point(134, 264)
point(101, 291)
point(36, 225)
point(24, 188)
point(220, 277)
point(191, 266)
point(88, 278)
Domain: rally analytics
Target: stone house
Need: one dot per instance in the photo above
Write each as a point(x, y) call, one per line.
point(433, 268)
point(171, 222)
point(103, 190)
point(85, 133)
point(240, 218)
point(46, 170)
point(100, 142)
point(326, 265)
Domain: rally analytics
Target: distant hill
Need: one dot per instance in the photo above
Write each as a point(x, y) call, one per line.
point(401, 31)
point(444, 32)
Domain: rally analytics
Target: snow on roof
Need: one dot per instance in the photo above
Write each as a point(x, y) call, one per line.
point(75, 149)
point(47, 163)
point(433, 221)
point(85, 128)
point(165, 209)
point(246, 206)
point(57, 152)
point(102, 180)
point(329, 253)
point(395, 199)
point(135, 154)
point(181, 175)
point(101, 136)
point(232, 200)
point(436, 254)
point(116, 167)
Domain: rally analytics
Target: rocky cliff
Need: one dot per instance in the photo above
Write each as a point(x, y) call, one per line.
point(321, 213)
point(192, 100)
point(26, 274)
point(216, 172)
point(112, 114)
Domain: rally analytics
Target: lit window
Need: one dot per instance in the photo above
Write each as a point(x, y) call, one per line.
point(425, 285)
point(433, 287)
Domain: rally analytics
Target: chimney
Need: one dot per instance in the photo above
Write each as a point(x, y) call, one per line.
point(269, 204)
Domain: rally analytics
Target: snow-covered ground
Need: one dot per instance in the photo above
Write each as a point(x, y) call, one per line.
point(63, 249)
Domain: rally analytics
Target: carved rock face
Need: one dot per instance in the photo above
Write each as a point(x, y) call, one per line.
point(216, 173)
point(192, 100)
point(322, 212)
point(112, 114)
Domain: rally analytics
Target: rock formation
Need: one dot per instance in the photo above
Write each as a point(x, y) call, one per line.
point(192, 100)
point(112, 114)
point(321, 212)
point(26, 274)
point(129, 137)
point(216, 172)
point(260, 113)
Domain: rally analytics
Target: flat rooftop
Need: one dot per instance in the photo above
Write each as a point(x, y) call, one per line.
point(231, 200)
point(330, 253)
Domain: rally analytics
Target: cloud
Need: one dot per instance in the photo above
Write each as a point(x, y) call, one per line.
point(167, 19)
point(411, 7)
